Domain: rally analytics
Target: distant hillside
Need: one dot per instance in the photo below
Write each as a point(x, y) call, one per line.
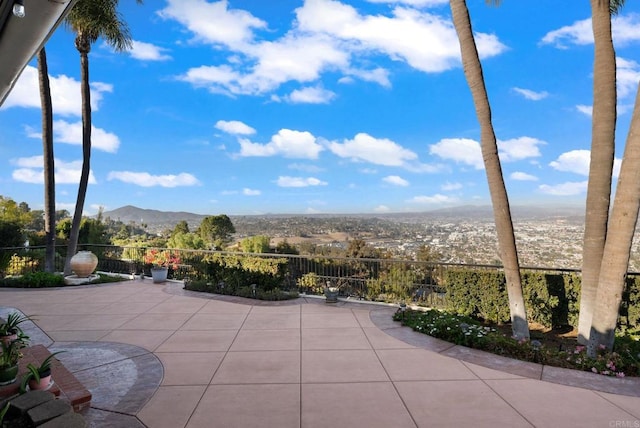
point(157, 221)
point(154, 219)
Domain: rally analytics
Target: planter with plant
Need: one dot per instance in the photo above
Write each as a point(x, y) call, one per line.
point(9, 358)
point(10, 328)
point(160, 262)
point(331, 292)
point(38, 377)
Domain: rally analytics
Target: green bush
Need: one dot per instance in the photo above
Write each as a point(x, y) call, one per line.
point(244, 291)
point(237, 270)
point(34, 280)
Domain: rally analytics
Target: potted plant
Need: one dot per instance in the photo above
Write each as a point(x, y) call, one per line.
point(11, 354)
point(160, 262)
point(38, 377)
point(10, 328)
point(331, 292)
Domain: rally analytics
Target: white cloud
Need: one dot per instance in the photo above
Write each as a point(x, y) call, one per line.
point(586, 110)
point(382, 209)
point(519, 148)
point(627, 76)
point(234, 127)
point(285, 181)
point(448, 187)
point(147, 51)
point(287, 143)
point(435, 199)
point(459, 150)
point(469, 152)
point(531, 95)
point(31, 170)
point(65, 93)
point(144, 179)
point(416, 3)
point(395, 180)
point(570, 188)
point(311, 95)
point(71, 133)
point(250, 192)
point(522, 176)
point(578, 161)
point(625, 30)
point(379, 151)
point(326, 36)
point(214, 22)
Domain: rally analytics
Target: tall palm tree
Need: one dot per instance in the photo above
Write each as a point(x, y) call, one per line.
point(615, 259)
point(91, 20)
point(499, 198)
point(603, 130)
point(49, 175)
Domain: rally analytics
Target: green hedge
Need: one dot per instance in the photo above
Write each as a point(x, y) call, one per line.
point(235, 270)
point(551, 299)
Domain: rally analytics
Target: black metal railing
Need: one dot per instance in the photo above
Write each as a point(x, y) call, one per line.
point(362, 278)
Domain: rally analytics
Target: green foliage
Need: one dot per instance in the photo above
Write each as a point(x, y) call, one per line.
point(244, 291)
point(358, 249)
point(19, 264)
point(395, 284)
point(468, 331)
point(186, 240)
point(284, 247)
point(237, 270)
point(216, 230)
point(11, 233)
point(310, 283)
point(34, 280)
point(256, 244)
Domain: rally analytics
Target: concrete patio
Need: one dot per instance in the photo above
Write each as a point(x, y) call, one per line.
point(154, 355)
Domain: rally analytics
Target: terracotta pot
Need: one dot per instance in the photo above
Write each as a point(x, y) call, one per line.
point(9, 338)
point(43, 384)
point(84, 263)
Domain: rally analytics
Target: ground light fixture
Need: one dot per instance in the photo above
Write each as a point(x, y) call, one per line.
point(18, 8)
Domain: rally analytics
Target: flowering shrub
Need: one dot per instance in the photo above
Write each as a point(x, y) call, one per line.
point(466, 331)
point(162, 258)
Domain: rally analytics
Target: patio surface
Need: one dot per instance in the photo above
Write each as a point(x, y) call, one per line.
point(155, 355)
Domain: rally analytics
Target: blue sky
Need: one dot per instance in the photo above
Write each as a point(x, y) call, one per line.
point(319, 106)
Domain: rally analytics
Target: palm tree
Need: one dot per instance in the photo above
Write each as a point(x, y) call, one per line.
point(499, 198)
point(91, 20)
point(615, 260)
point(603, 130)
point(49, 175)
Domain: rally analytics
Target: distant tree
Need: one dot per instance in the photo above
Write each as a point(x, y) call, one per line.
point(186, 240)
point(216, 230)
point(181, 227)
point(284, 247)
point(256, 244)
point(11, 234)
point(426, 253)
point(359, 249)
point(12, 212)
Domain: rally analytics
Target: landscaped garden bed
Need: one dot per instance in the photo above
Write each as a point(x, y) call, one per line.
point(557, 347)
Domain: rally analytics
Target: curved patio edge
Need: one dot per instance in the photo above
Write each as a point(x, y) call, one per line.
point(582, 379)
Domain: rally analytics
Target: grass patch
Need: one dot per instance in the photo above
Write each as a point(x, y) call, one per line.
point(543, 349)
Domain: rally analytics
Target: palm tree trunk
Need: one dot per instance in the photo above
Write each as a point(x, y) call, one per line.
point(601, 166)
point(615, 261)
point(86, 160)
point(49, 168)
point(499, 197)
